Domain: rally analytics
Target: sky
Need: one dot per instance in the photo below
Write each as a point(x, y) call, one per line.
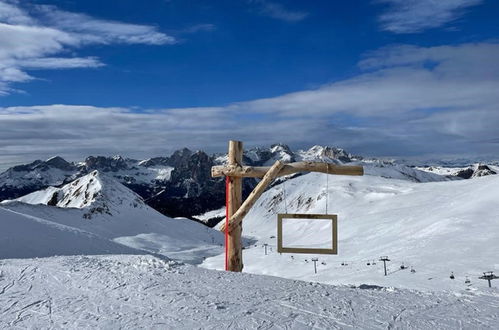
point(385, 78)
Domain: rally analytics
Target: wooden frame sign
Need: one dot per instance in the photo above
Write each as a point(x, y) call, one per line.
point(334, 234)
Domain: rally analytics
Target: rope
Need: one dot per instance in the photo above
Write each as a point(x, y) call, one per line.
point(327, 186)
point(284, 195)
point(227, 181)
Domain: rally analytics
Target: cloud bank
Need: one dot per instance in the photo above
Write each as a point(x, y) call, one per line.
point(408, 101)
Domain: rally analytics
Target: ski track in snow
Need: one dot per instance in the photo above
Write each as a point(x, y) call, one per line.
point(132, 292)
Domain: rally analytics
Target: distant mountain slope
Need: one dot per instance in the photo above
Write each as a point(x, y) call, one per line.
point(469, 172)
point(436, 227)
point(180, 185)
point(25, 236)
point(100, 205)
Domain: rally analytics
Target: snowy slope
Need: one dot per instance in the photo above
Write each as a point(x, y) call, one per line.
point(401, 172)
point(101, 205)
point(132, 292)
point(436, 227)
point(24, 236)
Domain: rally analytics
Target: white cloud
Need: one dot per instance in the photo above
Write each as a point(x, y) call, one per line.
point(10, 13)
point(94, 31)
point(408, 101)
point(412, 16)
point(32, 37)
point(277, 11)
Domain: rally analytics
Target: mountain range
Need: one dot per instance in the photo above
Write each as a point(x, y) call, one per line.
point(180, 185)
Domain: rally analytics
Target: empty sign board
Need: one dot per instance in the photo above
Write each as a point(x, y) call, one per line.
point(307, 233)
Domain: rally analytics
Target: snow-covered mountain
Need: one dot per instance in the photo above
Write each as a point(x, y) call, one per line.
point(435, 227)
point(468, 172)
point(180, 184)
point(98, 204)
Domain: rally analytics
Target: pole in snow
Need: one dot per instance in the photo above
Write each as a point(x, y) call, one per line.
point(384, 259)
point(489, 276)
point(265, 245)
point(315, 264)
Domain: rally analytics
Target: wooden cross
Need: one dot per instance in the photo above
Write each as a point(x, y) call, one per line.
point(237, 210)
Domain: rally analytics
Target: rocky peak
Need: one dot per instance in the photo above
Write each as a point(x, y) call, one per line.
point(106, 164)
point(196, 166)
point(179, 157)
point(156, 161)
point(264, 156)
point(321, 153)
point(475, 171)
point(26, 167)
point(60, 163)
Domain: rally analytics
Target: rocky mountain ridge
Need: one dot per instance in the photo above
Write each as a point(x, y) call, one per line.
point(181, 184)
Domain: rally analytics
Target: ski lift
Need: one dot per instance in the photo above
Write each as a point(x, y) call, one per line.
point(452, 276)
point(467, 281)
point(402, 266)
point(368, 263)
point(373, 263)
point(413, 270)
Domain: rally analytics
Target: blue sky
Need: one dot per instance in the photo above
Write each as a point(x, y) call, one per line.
point(401, 78)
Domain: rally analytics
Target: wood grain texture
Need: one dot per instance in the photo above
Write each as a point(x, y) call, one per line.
point(259, 171)
point(237, 217)
point(234, 244)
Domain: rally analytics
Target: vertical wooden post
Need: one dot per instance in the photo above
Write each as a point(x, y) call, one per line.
point(233, 239)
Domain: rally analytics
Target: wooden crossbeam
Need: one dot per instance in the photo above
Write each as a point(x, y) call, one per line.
point(237, 218)
point(290, 168)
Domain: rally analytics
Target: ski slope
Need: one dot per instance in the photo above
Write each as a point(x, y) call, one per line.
point(435, 227)
point(100, 205)
point(134, 292)
point(24, 236)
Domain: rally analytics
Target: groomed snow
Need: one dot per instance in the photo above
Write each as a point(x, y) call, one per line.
point(111, 292)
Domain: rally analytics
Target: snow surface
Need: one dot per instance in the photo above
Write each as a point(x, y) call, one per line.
point(133, 292)
point(435, 227)
point(98, 204)
point(24, 236)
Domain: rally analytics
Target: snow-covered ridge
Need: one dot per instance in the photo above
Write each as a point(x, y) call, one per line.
point(94, 192)
point(98, 204)
point(469, 172)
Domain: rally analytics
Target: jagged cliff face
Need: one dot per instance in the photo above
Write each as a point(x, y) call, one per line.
point(181, 184)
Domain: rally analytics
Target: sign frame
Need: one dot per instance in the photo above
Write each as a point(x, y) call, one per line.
point(334, 233)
